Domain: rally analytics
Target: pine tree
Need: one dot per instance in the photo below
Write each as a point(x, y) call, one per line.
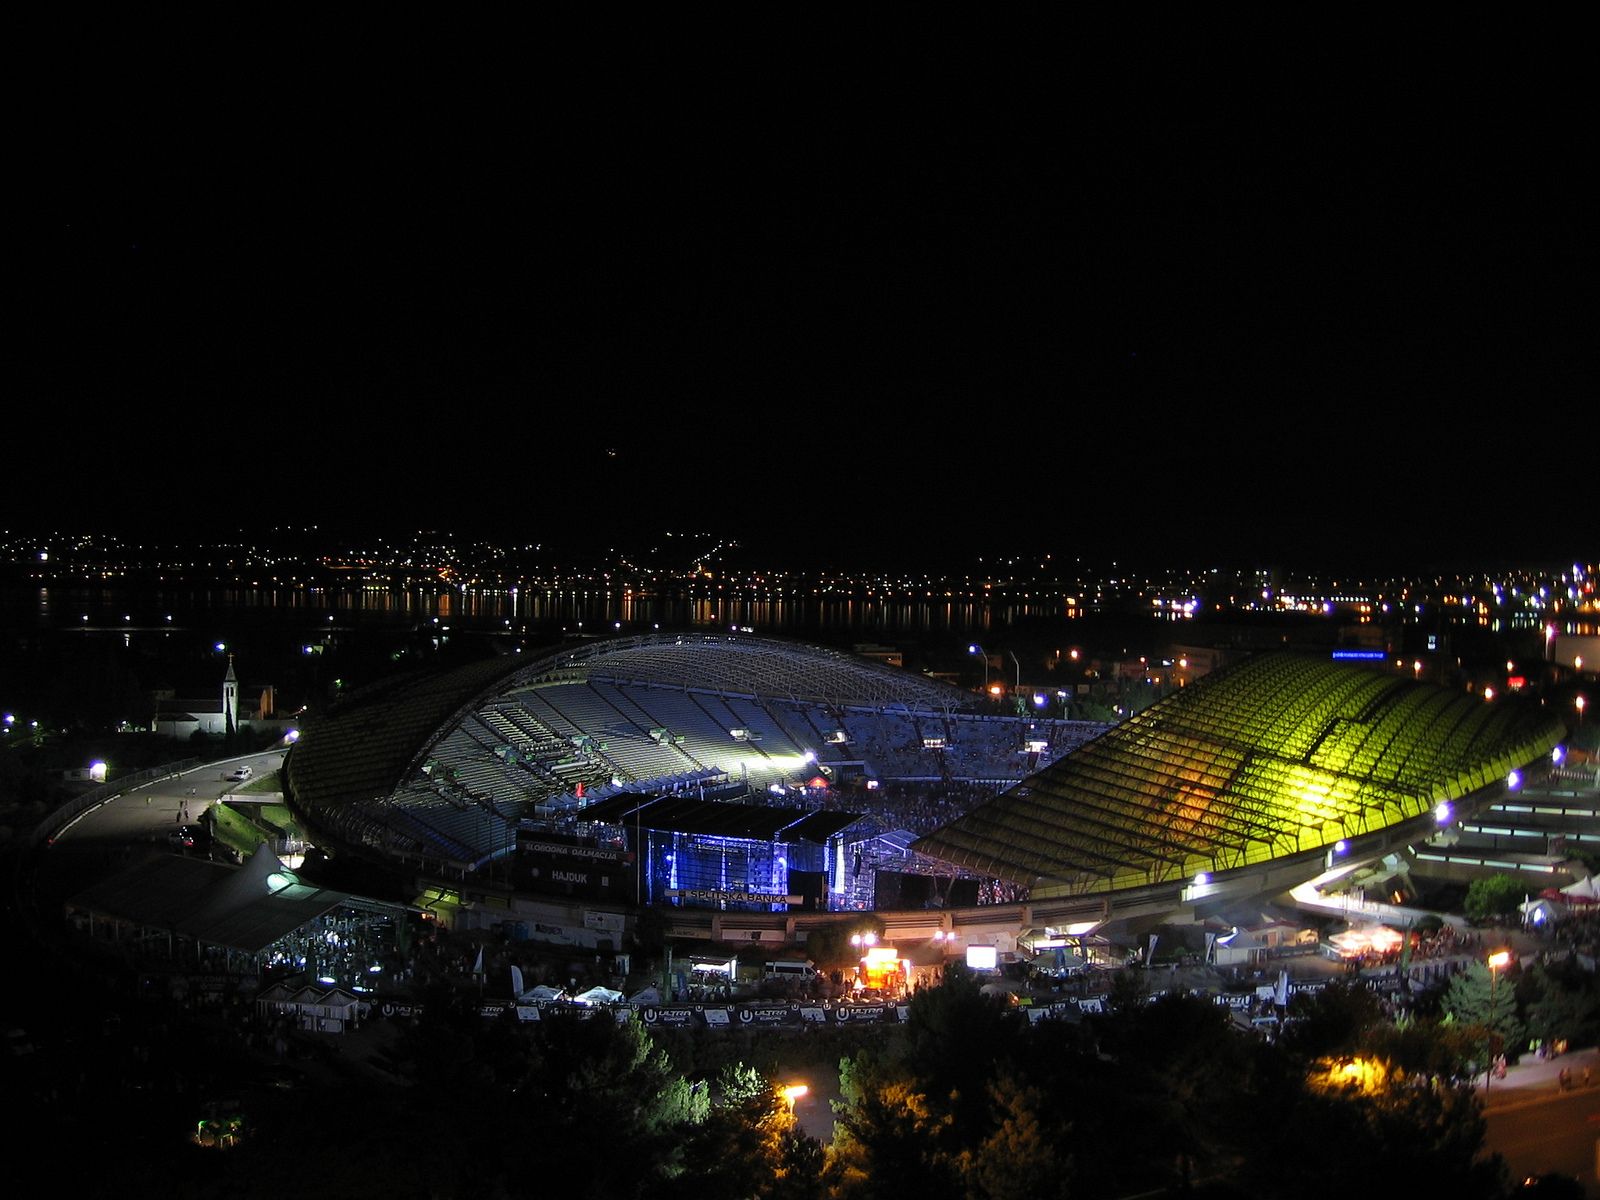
point(1476, 997)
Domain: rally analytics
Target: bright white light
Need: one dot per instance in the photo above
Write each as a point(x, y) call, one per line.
point(1442, 813)
point(1558, 754)
point(1514, 780)
point(1342, 846)
point(97, 772)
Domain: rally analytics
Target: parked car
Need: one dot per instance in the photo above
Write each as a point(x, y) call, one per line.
point(241, 774)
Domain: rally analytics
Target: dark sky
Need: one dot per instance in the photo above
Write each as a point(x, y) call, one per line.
point(1156, 297)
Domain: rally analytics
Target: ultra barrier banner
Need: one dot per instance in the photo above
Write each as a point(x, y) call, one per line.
point(714, 1016)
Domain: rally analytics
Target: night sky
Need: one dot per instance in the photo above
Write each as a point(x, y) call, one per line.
point(1299, 300)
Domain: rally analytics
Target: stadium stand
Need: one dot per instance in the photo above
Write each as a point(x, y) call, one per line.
point(444, 768)
point(1277, 756)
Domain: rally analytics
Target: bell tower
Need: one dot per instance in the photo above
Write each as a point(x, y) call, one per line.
point(230, 699)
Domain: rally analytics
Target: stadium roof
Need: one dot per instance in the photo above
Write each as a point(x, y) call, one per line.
point(243, 908)
point(1277, 756)
point(361, 749)
point(746, 665)
point(366, 746)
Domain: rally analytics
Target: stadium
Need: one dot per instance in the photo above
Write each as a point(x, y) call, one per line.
point(741, 776)
point(733, 772)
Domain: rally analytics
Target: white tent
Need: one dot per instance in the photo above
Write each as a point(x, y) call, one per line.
point(598, 995)
point(1583, 890)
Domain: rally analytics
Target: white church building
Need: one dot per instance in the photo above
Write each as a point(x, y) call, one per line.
point(232, 709)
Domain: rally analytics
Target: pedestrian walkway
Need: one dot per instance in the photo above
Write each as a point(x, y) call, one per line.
point(1534, 1078)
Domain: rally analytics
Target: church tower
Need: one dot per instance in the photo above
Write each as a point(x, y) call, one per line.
point(230, 699)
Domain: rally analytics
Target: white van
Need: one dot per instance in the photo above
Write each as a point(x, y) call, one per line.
point(800, 972)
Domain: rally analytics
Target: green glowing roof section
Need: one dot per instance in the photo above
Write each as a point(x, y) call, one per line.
point(1276, 756)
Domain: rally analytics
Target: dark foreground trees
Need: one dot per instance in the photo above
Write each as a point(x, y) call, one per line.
point(975, 1102)
point(968, 1100)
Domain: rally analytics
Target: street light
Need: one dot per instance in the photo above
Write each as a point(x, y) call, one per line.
point(791, 1093)
point(1580, 703)
point(1497, 962)
point(979, 650)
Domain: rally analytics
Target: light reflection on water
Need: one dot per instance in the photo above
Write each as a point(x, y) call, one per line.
point(595, 611)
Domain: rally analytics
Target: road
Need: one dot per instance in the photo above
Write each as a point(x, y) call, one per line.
point(150, 812)
point(1540, 1129)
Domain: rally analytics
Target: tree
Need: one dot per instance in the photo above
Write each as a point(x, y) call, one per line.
point(889, 1143)
point(1027, 1157)
point(1183, 1078)
point(829, 947)
point(1423, 1047)
point(596, 1084)
point(1476, 998)
point(921, 1117)
point(750, 1146)
point(1565, 1004)
point(1331, 1021)
point(1494, 896)
point(1418, 1140)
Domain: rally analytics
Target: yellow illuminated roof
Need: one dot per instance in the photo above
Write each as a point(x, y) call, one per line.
point(1279, 755)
